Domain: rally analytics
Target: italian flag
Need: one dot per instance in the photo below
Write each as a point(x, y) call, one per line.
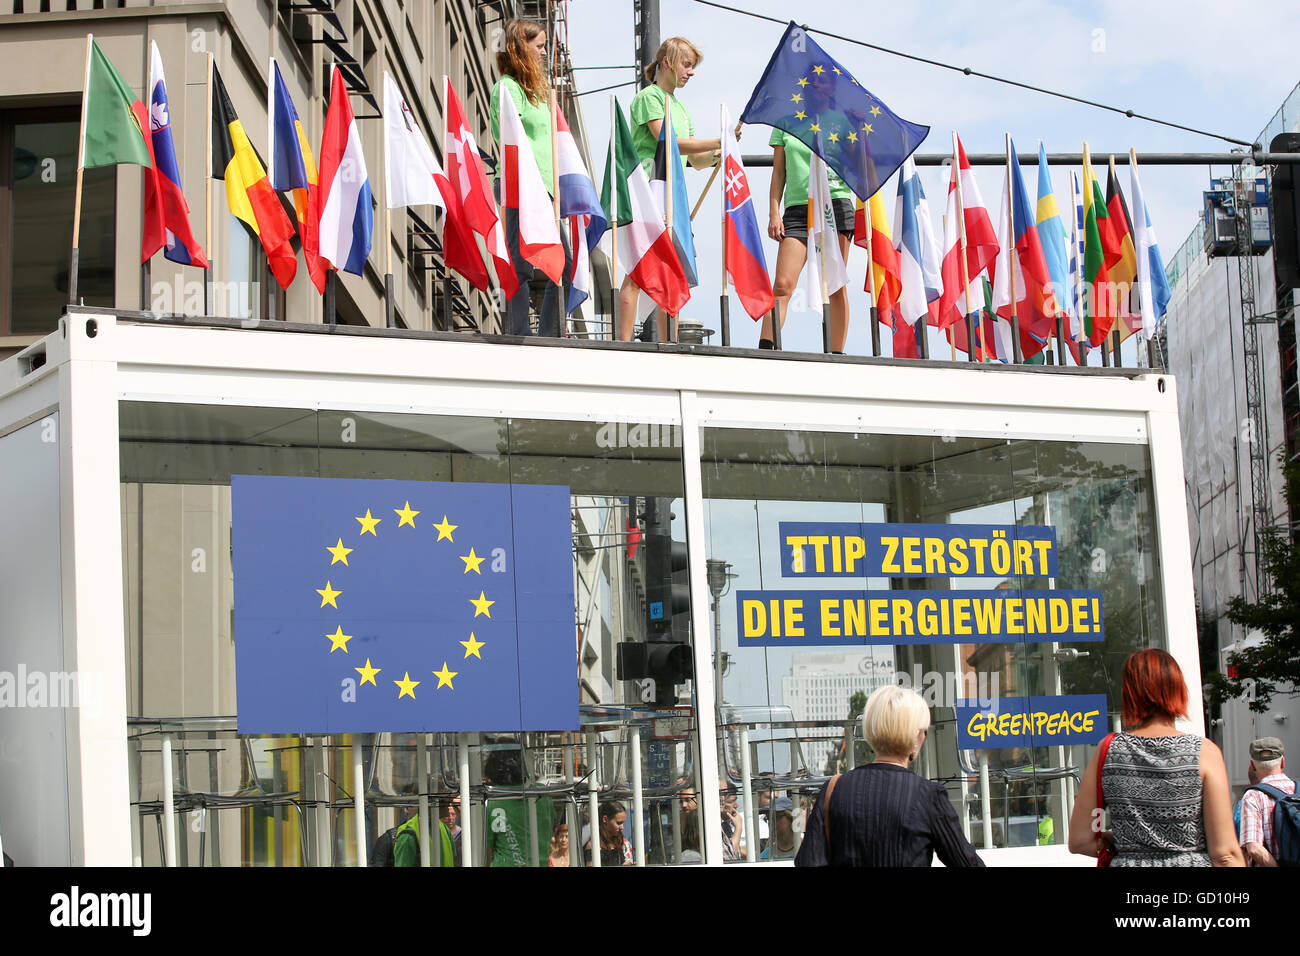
point(656, 268)
point(113, 117)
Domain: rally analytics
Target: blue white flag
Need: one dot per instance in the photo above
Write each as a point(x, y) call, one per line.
point(918, 252)
point(367, 606)
point(1153, 284)
point(668, 167)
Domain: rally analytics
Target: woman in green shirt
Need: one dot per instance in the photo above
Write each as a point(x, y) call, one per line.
point(523, 74)
point(790, 161)
point(674, 65)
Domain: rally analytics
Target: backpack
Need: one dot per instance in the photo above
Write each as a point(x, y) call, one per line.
point(381, 854)
point(1286, 823)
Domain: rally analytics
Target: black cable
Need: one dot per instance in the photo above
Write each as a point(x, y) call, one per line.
point(602, 89)
point(987, 76)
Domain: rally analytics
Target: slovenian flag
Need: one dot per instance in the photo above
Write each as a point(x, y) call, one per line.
point(346, 220)
point(743, 250)
point(165, 208)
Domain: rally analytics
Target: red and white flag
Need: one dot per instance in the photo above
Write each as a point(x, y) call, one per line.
point(965, 207)
point(471, 210)
point(539, 235)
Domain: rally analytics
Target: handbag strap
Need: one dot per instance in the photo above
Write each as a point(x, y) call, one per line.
point(826, 811)
point(1101, 764)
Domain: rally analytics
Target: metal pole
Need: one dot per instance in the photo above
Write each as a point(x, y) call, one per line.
point(1016, 354)
point(466, 836)
point(986, 801)
point(638, 802)
point(422, 775)
point(321, 810)
point(331, 277)
point(390, 321)
point(169, 803)
point(359, 800)
point(593, 797)
point(776, 327)
point(747, 796)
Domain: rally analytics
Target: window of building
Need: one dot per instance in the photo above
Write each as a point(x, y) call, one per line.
point(38, 179)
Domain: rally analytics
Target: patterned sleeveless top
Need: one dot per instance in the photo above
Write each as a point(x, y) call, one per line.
point(1152, 787)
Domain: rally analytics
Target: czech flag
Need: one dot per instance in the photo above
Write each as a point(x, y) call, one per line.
point(346, 220)
point(743, 251)
point(165, 209)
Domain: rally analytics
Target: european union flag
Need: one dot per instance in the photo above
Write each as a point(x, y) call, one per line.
point(375, 606)
point(806, 93)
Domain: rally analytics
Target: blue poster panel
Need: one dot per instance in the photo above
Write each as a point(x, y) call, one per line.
point(366, 606)
point(1000, 616)
point(850, 549)
point(1032, 722)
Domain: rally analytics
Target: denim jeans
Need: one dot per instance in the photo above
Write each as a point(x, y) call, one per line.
point(517, 310)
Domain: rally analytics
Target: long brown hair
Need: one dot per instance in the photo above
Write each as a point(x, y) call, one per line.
point(519, 61)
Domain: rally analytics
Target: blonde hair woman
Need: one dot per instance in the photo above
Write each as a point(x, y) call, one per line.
point(883, 814)
point(674, 65)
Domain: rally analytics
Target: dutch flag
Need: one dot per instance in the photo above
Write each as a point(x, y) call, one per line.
point(346, 219)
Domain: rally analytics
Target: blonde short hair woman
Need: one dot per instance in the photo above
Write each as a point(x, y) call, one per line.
point(883, 814)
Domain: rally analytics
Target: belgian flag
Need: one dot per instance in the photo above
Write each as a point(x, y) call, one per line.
point(248, 189)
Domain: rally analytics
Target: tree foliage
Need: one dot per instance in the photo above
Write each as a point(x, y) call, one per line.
point(1272, 666)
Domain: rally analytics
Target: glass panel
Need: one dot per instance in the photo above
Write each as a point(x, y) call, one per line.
point(45, 182)
point(798, 704)
point(530, 800)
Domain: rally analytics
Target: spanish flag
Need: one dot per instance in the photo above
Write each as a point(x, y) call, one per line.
point(248, 190)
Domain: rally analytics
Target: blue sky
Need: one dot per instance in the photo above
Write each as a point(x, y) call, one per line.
point(1171, 60)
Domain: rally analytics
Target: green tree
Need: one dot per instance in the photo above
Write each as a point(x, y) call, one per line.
point(1267, 668)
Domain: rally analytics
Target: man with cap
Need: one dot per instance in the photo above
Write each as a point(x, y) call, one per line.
point(1267, 763)
point(782, 845)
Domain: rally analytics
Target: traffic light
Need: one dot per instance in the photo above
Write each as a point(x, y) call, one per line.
point(665, 561)
point(667, 663)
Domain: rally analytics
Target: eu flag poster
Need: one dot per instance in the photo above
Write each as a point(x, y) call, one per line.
point(366, 606)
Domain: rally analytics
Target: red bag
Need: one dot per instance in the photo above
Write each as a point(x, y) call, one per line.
point(1105, 854)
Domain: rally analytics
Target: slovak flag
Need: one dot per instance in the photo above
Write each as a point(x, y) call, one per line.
point(165, 209)
point(743, 251)
point(346, 220)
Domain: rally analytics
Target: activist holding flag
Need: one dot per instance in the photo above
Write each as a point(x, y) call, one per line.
point(791, 164)
point(522, 62)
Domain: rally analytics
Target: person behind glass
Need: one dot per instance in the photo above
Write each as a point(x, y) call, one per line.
point(674, 65)
point(559, 855)
point(883, 814)
point(791, 159)
point(615, 847)
point(523, 73)
point(1167, 791)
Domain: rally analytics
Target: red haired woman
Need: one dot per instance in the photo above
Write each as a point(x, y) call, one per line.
point(522, 62)
point(1167, 791)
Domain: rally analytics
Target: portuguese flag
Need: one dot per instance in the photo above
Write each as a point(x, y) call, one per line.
point(113, 117)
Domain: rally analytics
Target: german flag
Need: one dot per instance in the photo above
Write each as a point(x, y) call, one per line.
point(248, 190)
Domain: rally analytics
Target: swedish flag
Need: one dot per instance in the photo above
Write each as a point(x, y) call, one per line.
point(809, 95)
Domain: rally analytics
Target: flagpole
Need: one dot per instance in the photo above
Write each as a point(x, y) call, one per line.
point(1060, 306)
point(821, 252)
point(664, 335)
point(81, 163)
point(146, 271)
point(1078, 271)
point(961, 235)
point(211, 275)
point(1116, 337)
point(389, 306)
point(1087, 199)
point(1016, 355)
point(723, 301)
point(1147, 334)
point(871, 280)
point(562, 318)
point(612, 165)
